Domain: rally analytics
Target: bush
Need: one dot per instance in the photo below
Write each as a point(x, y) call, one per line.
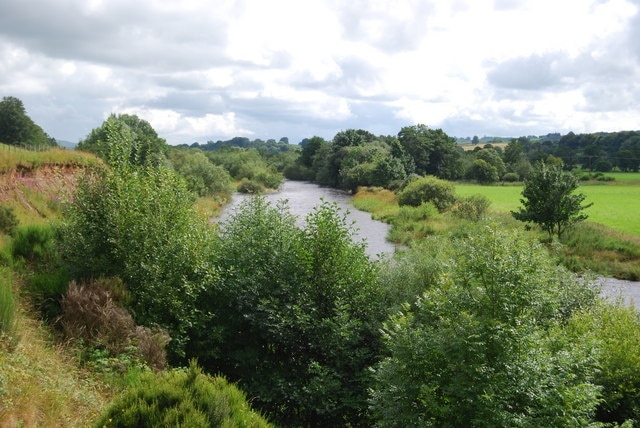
point(35, 244)
point(139, 224)
point(484, 343)
point(472, 207)
point(424, 211)
point(298, 313)
point(251, 187)
point(428, 189)
point(617, 330)
point(185, 398)
point(511, 177)
point(93, 314)
point(8, 220)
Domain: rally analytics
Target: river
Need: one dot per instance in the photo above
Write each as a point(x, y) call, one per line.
point(302, 197)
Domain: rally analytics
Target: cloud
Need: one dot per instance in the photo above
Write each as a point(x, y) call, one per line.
point(298, 69)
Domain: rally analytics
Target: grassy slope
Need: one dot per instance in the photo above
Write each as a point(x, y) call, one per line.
point(40, 385)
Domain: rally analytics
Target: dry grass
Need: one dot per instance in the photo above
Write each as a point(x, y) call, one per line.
point(93, 313)
point(40, 386)
point(16, 158)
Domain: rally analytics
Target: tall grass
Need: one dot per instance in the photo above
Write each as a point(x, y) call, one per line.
point(8, 308)
point(594, 247)
point(20, 158)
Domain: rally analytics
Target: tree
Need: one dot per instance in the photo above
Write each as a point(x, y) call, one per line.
point(18, 128)
point(202, 176)
point(483, 344)
point(428, 189)
point(297, 315)
point(483, 172)
point(139, 224)
point(549, 200)
point(432, 150)
point(126, 139)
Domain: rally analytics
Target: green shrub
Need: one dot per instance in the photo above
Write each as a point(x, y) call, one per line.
point(483, 344)
point(428, 189)
point(35, 243)
point(617, 330)
point(46, 290)
point(424, 211)
point(186, 398)
point(8, 307)
point(472, 207)
point(269, 179)
point(250, 186)
point(8, 220)
point(511, 177)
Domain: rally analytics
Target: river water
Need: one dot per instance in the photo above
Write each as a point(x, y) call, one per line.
point(302, 197)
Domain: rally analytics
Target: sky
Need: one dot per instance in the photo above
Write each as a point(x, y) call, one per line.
point(201, 70)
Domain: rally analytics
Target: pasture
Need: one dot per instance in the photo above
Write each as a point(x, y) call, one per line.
point(615, 204)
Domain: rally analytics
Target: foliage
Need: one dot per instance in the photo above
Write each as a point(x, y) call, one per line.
point(433, 152)
point(549, 200)
point(185, 398)
point(35, 244)
point(428, 189)
point(472, 207)
point(616, 329)
point(140, 224)
point(483, 344)
point(94, 314)
point(246, 164)
point(126, 139)
point(202, 176)
point(250, 186)
point(369, 165)
point(297, 314)
point(8, 220)
point(511, 177)
point(483, 172)
point(16, 128)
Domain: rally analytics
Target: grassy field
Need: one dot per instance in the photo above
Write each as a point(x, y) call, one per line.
point(615, 204)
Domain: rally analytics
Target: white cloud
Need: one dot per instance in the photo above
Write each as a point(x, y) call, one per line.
point(289, 68)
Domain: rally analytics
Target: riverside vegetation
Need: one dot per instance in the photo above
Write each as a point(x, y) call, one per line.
point(142, 301)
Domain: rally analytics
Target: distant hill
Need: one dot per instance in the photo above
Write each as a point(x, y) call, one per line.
point(66, 144)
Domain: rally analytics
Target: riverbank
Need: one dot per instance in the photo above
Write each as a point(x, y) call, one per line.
point(589, 247)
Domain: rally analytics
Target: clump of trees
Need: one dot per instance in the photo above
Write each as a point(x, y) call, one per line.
point(481, 340)
point(296, 314)
point(18, 129)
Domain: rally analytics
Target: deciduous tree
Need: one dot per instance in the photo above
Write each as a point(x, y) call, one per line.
point(483, 343)
point(549, 200)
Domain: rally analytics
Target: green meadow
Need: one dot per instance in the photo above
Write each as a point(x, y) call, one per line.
point(616, 204)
